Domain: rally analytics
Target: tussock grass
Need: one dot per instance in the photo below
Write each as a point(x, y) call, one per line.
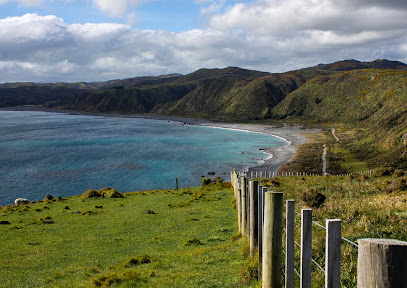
point(363, 204)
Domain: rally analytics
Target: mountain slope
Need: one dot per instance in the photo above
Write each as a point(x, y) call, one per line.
point(373, 100)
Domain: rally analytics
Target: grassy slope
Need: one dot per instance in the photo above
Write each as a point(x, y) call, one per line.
point(363, 205)
point(88, 243)
point(369, 105)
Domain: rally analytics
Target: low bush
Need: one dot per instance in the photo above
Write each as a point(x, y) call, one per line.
point(383, 171)
point(205, 181)
point(139, 260)
point(110, 193)
point(193, 241)
point(312, 197)
point(112, 278)
point(397, 184)
point(91, 193)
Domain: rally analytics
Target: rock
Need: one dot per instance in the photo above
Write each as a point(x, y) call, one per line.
point(49, 197)
point(211, 173)
point(150, 211)
point(21, 201)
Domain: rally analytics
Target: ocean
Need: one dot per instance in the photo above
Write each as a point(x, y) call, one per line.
point(64, 155)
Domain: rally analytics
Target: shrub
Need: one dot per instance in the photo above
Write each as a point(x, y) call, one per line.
point(399, 173)
point(139, 260)
point(384, 171)
point(47, 220)
point(397, 184)
point(110, 193)
point(312, 197)
point(275, 182)
point(235, 237)
point(193, 241)
point(49, 197)
point(107, 280)
point(217, 179)
point(91, 193)
point(205, 181)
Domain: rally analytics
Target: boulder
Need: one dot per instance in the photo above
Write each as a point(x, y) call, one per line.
point(21, 201)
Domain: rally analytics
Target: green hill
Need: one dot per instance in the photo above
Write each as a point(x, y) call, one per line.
point(369, 96)
point(374, 101)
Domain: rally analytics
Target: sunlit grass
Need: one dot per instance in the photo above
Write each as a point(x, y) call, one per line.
point(97, 241)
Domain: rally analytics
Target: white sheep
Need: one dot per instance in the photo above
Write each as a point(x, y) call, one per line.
point(21, 201)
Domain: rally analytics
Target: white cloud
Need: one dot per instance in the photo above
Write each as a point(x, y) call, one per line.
point(116, 8)
point(45, 48)
point(25, 3)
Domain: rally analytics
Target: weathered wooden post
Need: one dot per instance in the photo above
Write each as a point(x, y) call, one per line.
point(260, 220)
point(272, 240)
point(254, 214)
point(248, 208)
point(382, 263)
point(239, 206)
point(243, 185)
point(333, 254)
point(306, 248)
point(289, 244)
point(176, 182)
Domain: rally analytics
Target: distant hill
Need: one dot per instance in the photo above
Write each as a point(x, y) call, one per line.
point(29, 93)
point(348, 65)
point(369, 95)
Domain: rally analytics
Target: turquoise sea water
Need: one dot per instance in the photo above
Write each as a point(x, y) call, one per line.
point(63, 155)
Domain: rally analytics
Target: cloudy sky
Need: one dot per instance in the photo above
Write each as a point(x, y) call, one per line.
point(95, 40)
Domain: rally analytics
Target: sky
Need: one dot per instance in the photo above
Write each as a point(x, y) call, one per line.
point(98, 40)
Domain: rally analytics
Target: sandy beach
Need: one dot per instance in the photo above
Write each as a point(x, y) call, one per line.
point(294, 136)
point(274, 158)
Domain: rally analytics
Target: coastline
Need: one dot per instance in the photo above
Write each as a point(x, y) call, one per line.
point(276, 156)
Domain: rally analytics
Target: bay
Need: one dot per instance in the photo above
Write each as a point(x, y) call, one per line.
point(64, 155)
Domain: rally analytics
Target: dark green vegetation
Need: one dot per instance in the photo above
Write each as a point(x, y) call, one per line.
point(27, 93)
point(170, 238)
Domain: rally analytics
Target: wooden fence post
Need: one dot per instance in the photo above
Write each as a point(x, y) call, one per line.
point(272, 240)
point(239, 206)
point(289, 244)
point(382, 263)
point(243, 205)
point(254, 216)
point(306, 247)
point(260, 220)
point(333, 254)
point(248, 208)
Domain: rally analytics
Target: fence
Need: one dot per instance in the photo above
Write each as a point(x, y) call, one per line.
point(381, 262)
point(272, 174)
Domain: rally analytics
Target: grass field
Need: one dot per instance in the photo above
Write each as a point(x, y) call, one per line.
point(185, 237)
point(170, 238)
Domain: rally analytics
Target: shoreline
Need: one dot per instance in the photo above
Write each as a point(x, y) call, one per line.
point(276, 156)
